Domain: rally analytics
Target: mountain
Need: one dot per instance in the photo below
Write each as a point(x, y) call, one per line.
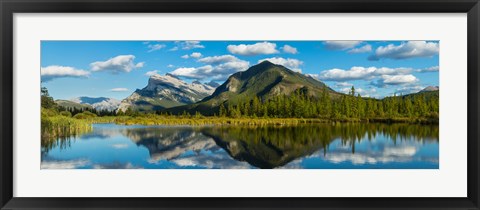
point(264, 80)
point(213, 84)
point(428, 93)
point(98, 103)
point(71, 104)
point(165, 92)
point(430, 88)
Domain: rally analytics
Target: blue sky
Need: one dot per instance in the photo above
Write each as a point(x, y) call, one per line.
point(115, 69)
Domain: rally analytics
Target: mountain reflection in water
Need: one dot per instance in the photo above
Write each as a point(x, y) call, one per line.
point(309, 146)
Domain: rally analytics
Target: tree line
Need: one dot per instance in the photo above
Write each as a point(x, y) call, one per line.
point(300, 105)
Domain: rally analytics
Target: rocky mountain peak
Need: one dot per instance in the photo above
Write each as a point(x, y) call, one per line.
point(164, 91)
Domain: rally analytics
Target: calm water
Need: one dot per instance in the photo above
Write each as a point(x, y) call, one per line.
point(317, 146)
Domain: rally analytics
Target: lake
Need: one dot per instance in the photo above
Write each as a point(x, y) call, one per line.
point(303, 146)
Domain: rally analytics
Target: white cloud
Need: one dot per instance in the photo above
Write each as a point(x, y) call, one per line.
point(290, 63)
point(219, 68)
point(341, 45)
point(120, 146)
point(260, 48)
point(118, 64)
point(363, 49)
point(118, 90)
point(155, 47)
point(187, 45)
point(64, 164)
point(52, 72)
point(394, 71)
point(151, 73)
point(360, 73)
point(407, 151)
point(116, 165)
point(398, 79)
point(210, 161)
point(193, 55)
point(193, 72)
point(410, 49)
point(232, 67)
point(355, 73)
point(343, 84)
point(346, 90)
point(429, 69)
point(289, 49)
point(384, 154)
point(218, 59)
point(173, 48)
point(170, 66)
point(196, 55)
point(386, 80)
point(360, 158)
point(314, 76)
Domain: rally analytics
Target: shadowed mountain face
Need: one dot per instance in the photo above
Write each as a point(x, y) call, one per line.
point(264, 80)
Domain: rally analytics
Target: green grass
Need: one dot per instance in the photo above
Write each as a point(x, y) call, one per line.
point(55, 128)
point(175, 120)
point(152, 119)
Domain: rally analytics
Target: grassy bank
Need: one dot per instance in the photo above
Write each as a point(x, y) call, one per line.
point(201, 120)
point(171, 120)
point(55, 126)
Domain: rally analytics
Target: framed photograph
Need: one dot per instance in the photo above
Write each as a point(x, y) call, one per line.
point(239, 105)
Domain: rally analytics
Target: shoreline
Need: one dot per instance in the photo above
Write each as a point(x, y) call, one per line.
point(170, 120)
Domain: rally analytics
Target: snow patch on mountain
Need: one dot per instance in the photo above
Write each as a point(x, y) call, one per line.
point(172, 81)
point(98, 103)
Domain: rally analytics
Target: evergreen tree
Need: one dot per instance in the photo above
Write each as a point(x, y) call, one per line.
point(47, 101)
point(222, 111)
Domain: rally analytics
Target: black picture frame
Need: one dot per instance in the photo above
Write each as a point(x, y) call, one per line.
point(10, 7)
